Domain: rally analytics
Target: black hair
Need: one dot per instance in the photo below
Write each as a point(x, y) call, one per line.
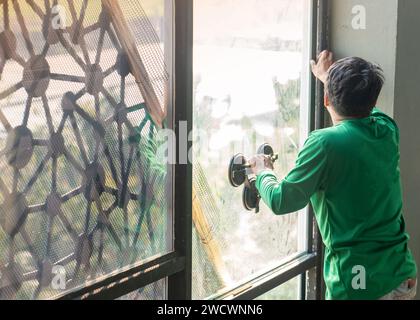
point(353, 86)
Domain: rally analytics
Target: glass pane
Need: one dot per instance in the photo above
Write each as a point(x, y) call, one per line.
point(250, 87)
point(82, 192)
point(287, 291)
point(154, 291)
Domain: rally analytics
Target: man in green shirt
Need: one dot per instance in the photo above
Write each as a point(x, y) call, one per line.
point(350, 173)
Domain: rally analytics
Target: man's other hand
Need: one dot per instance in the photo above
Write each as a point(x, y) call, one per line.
point(260, 163)
point(320, 68)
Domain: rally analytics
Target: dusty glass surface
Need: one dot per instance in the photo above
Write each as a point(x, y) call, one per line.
point(250, 73)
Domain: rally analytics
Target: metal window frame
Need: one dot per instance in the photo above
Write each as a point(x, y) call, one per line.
point(123, 282)
point(177, 266)
point(319, 121)
point(270, 279)
point(179, 285)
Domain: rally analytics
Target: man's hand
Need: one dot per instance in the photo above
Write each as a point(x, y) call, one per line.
point(321, 67)
point(260, 163)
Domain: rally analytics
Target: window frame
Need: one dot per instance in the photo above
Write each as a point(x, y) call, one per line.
point(176, 266)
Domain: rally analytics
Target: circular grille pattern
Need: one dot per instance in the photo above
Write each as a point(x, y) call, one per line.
point(104, 173)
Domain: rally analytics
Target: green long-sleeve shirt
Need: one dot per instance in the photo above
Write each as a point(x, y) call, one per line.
point(350, 173)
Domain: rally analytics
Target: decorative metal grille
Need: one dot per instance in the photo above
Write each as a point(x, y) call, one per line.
point(79, 188)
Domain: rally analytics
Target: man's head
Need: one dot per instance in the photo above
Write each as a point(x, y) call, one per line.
point(353, 87)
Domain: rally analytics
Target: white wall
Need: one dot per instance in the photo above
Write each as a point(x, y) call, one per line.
point(377, 43)
point(407, 114)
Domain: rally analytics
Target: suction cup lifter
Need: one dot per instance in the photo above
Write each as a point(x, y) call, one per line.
point(240, 173)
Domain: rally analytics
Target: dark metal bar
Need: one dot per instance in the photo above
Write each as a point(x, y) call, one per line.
point(320, 122)
point(319, 42)
point(136, 282)
point(179, 285)
point(125, 281)
point(312, 96)
point(24, 29)
point(302, 286)
point(254, 288)
point(322, 44)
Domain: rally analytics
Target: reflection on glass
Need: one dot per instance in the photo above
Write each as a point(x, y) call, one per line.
point(249, 88)
point(80, 193)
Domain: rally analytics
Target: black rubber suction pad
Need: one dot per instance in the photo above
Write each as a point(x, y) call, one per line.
point(251, 197)
point(266, 149)
point(237, 171)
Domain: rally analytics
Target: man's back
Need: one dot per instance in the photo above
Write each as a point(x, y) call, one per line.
point(350, 172)
point(359, 208)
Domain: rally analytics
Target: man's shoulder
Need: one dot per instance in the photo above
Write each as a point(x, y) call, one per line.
point(339, 138)
point(379, 114)
point(327, 134)
point(379, 123)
